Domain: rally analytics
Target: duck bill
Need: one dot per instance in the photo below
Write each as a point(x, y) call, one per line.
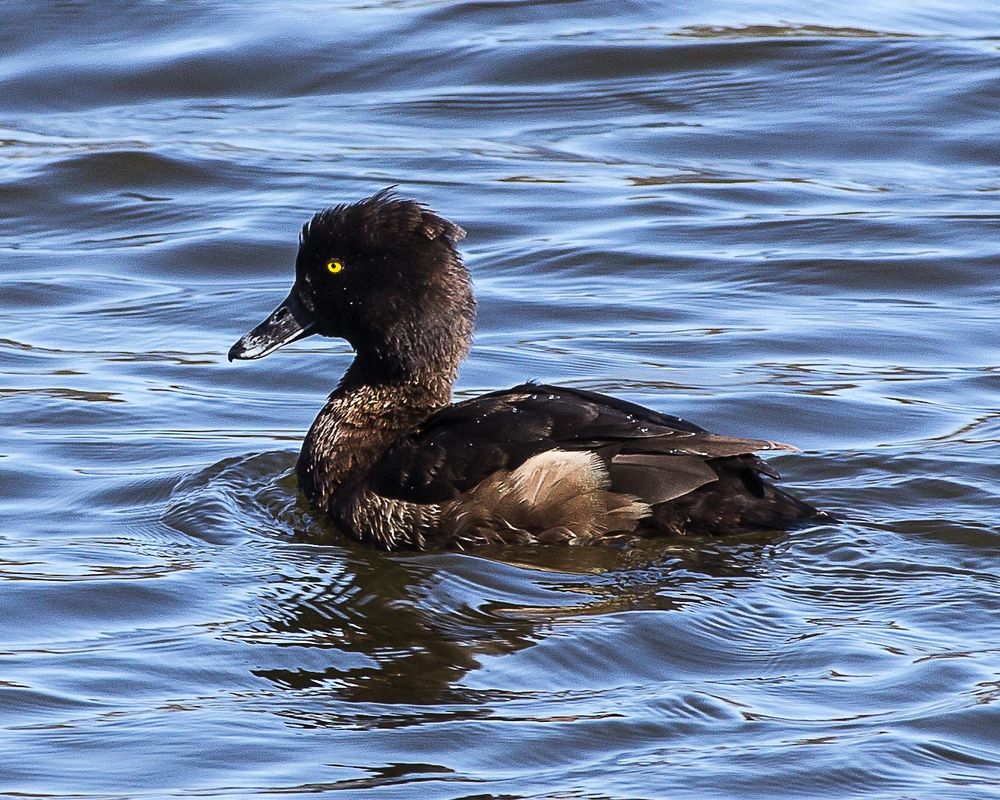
point(288, 323)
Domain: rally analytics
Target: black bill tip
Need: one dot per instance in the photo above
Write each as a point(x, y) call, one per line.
point(288, 323)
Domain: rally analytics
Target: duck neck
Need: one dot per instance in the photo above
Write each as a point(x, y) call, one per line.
point(381, 395)
point(398, 372)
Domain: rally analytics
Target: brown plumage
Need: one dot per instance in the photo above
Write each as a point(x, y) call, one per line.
point(394, 463)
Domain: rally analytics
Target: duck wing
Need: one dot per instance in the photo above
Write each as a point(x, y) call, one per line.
point(651, 456)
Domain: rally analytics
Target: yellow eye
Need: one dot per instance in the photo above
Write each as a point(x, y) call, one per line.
point(334, 266)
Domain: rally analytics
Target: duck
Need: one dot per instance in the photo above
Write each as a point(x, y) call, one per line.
point(392, 462)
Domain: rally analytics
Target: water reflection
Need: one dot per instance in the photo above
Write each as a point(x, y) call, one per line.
point(410, 655)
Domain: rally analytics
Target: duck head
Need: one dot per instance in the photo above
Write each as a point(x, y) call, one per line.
point(384, 274)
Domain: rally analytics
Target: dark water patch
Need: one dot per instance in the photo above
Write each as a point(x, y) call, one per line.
point(129, 170)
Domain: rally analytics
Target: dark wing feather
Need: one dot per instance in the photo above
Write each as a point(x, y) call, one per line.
point(653, 456)
point(658, 478)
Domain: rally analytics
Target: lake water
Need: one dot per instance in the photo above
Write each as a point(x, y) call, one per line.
point(779, 220)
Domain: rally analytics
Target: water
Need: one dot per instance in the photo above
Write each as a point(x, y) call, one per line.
point(779, 220)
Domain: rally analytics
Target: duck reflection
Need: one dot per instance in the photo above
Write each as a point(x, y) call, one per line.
point(386, 642)
point(408, 629)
